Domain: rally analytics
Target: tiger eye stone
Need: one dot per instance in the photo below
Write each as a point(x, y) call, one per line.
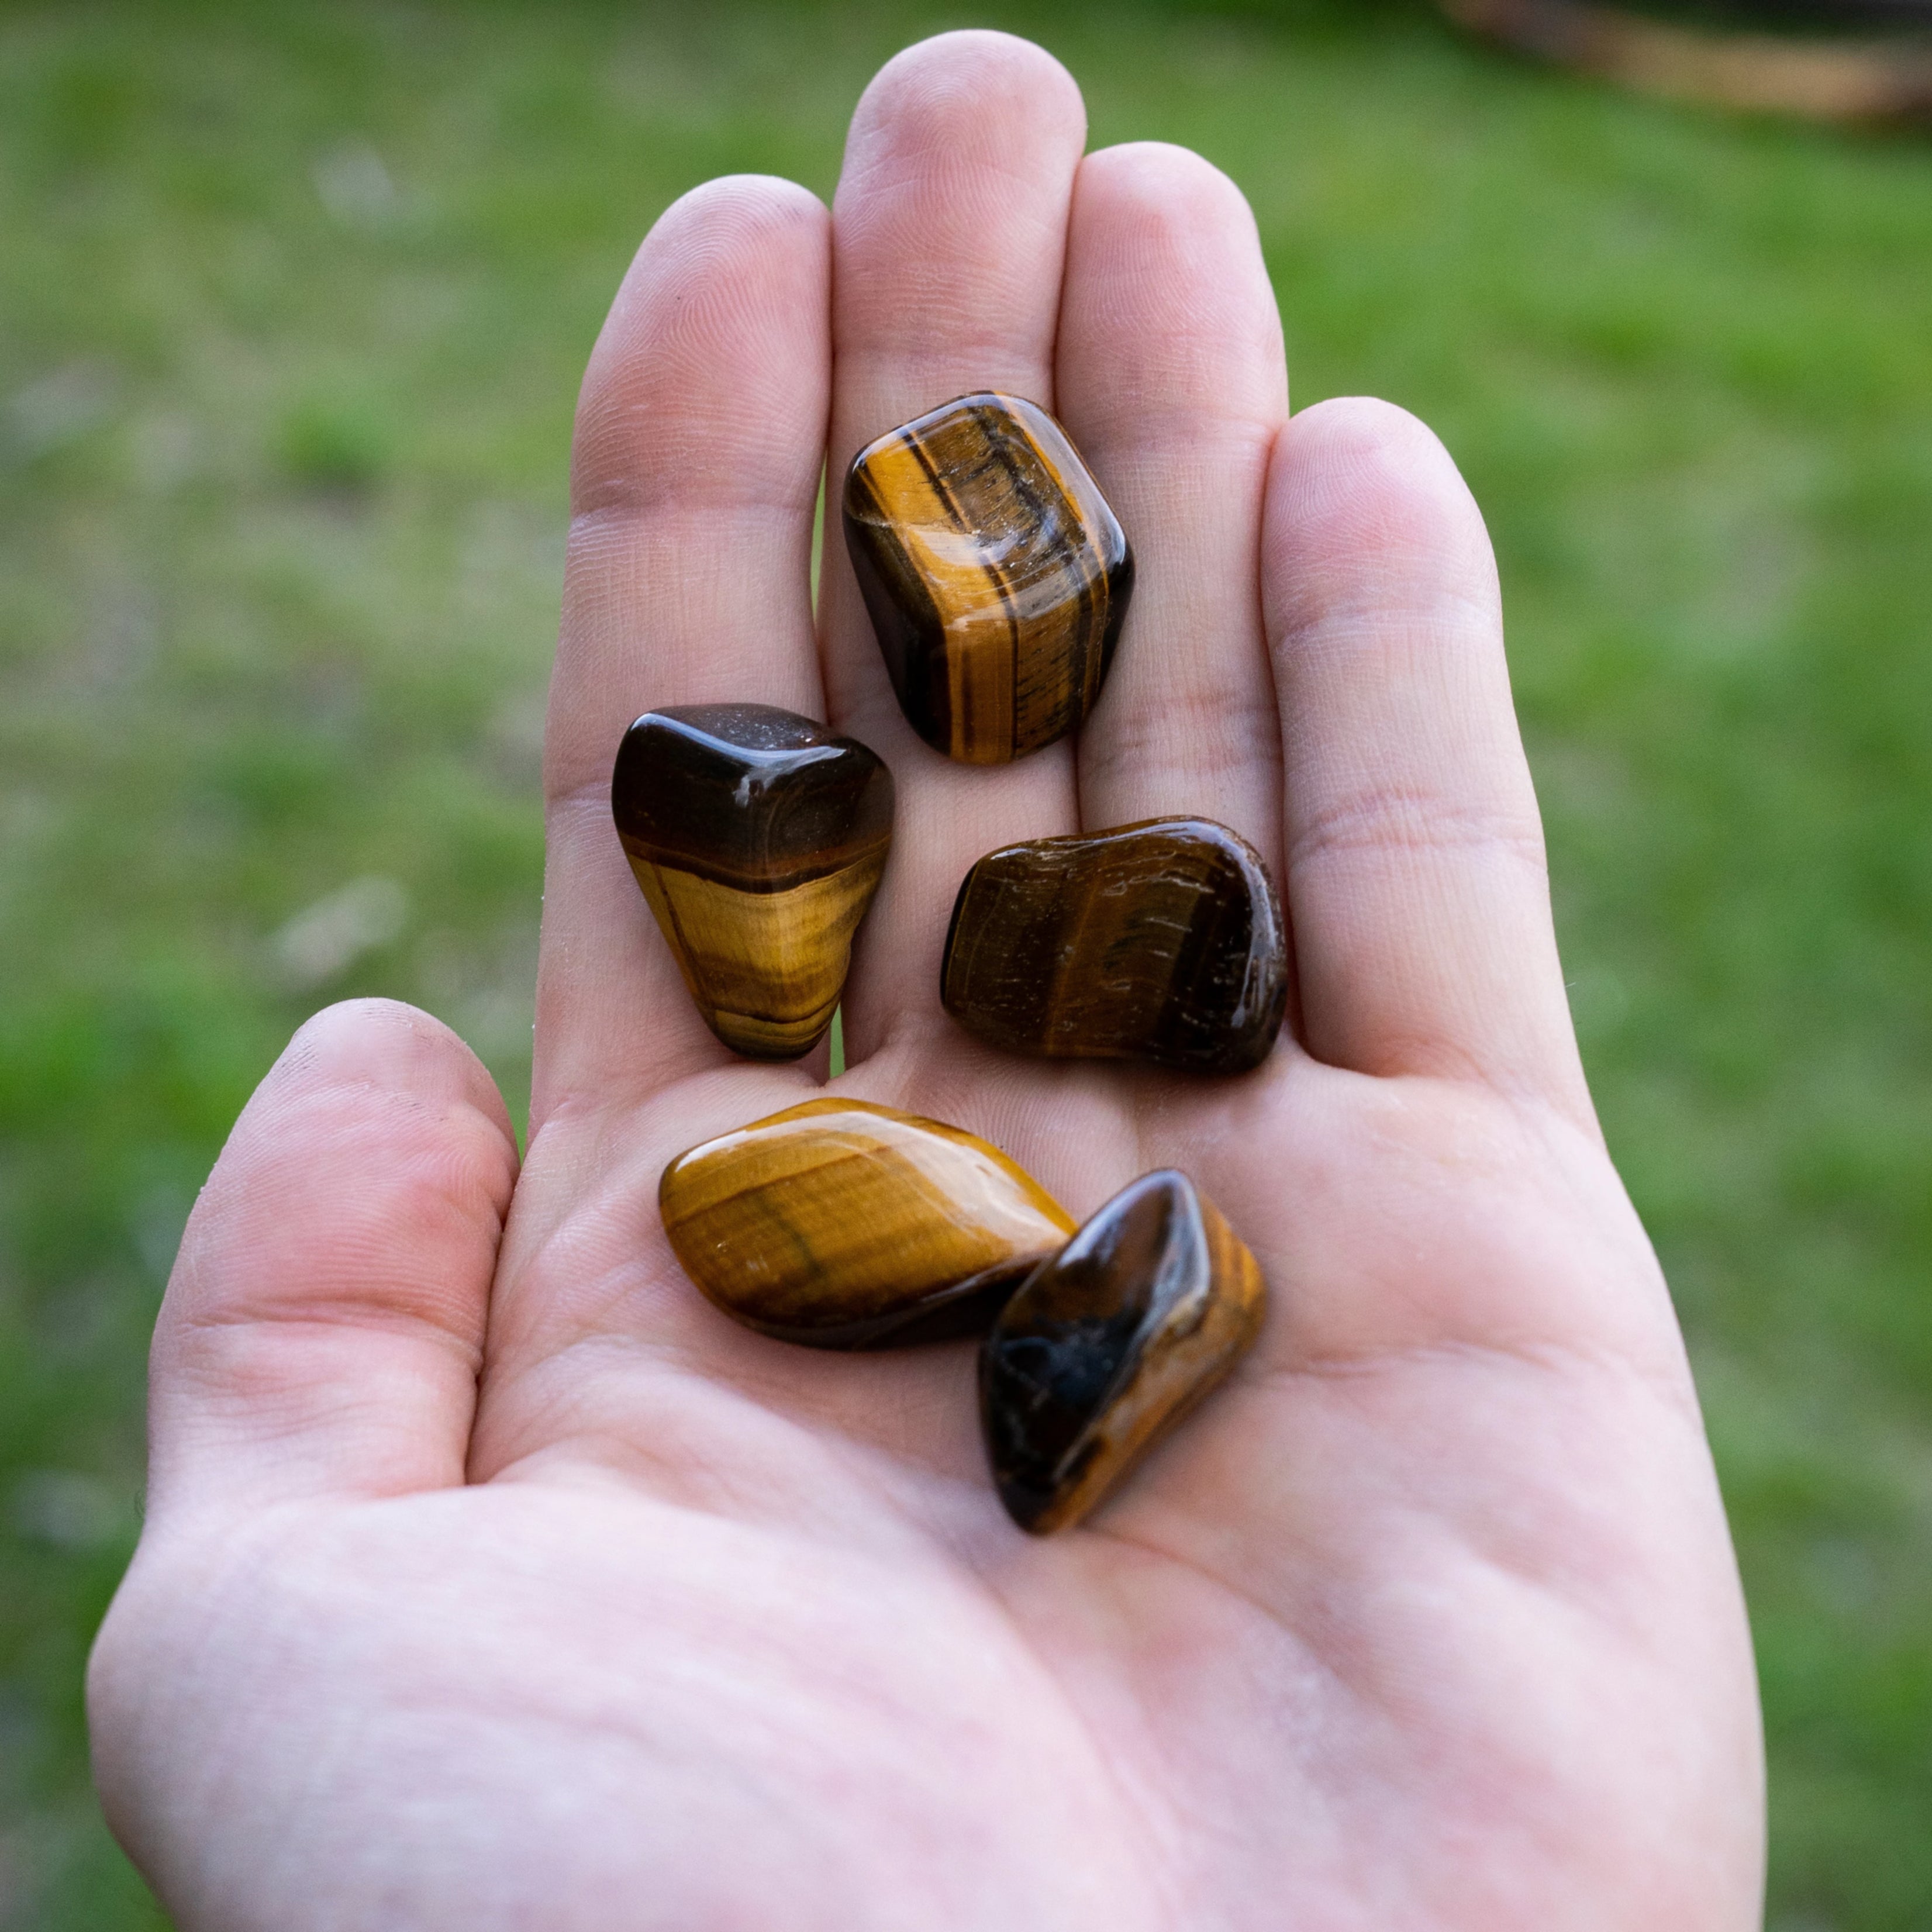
point(1108, 1345)
point(845, 1225)
point(758, 837)
point(1161, 941)
point(996, 574)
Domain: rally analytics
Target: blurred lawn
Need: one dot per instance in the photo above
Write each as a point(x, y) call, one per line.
point(292, 307)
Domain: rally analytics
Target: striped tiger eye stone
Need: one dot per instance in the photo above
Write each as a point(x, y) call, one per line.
point(846, 1226)
point(996, 574)
point(758, 837)
point(1161, 941)
point(1109, 1344)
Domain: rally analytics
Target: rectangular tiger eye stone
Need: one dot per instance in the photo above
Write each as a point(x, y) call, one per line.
point(1105, 1347)
point(1161, 941)
point(997, 576)
point(758, 837)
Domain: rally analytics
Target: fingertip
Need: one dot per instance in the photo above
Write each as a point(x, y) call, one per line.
point(958, 168)
point(377, 1149)
point(966, 93)
point(773, 203)
point(1365, 500)
point(726, 223)
point(735, 277)
point(1167, 189)
point(1169, 317)
point(389, 1046)
point(1350, 441)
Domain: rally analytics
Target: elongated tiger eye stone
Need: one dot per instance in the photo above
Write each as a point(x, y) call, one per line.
point(1107, 1346)
point(997, 575)
point(845, 1225)
point(758, 837)
point(1160, 941)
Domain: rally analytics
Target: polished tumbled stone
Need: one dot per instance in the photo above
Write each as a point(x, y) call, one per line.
point(1107, 1345)
point(997, 576)
point(1161, 941)
point(845, 1224)
point(758, 837)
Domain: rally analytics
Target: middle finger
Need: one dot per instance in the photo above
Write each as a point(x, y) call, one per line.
point(949, 238)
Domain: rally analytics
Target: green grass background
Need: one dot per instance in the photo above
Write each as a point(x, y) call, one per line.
point(293, 303)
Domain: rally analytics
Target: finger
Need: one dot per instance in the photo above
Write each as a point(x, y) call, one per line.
point(1415, 875)
point(323, 1327)
point(700, 436)
point(948, 233)
point(1172, 380)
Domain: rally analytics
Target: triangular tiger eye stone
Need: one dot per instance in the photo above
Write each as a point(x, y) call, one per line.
point(847, 1225)
point(1160, 941)
point(758, 837)
point(1109, 1344)
point(997, 575)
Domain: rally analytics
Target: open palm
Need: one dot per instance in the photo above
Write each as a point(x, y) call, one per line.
point(492, 1579)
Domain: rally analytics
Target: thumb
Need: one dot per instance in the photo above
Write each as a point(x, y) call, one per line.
point(323, 1326)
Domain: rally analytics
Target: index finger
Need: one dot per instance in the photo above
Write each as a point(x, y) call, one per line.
point(701, 439)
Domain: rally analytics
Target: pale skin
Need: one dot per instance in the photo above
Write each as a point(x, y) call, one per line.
point(492, 1578)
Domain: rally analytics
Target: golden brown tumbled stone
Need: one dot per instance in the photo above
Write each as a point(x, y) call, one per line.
point(758, 837)
point(845, 1224)
point(1108, 1344)
point(1161, 941)
point(997, 575)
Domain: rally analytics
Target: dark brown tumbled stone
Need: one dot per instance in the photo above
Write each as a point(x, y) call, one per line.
point(1107, 1345)
point(1161, 941)
point(758, 837)
point(997, 576)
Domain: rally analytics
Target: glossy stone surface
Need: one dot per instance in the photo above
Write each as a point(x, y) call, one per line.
point(1108, 1345)
point(997, 576)
point(1161, 940)
point(758, 837)
point(845, 1225)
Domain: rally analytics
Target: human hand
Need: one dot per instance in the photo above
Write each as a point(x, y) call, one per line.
point(492, 1578)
